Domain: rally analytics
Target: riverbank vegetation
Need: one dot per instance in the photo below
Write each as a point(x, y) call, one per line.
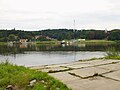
point(112, 53)
point(3, 43)
point(13, 76)
point(58, 34)
point(99, 41)
point(54, 42)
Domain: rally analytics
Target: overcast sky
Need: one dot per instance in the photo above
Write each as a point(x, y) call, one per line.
point(49, 14)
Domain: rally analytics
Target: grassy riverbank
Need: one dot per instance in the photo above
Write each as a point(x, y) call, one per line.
point(112, 53)
point(86, 41)
point(48, 42)
point(3, 43)
point(20, 77)
point(113, 57)
point(56, 42)
point(98, 41)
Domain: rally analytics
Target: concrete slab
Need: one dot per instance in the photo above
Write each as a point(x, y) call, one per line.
point(82, 78)
point(75, 66)
point(64, 76)
point(102, 62)
point(37, 67)
point(78, 62)
point(65, 64)
point(111, 67)
point(113, 75)
point(96, 83)
point(87, 72)
point(55, 65)
point(54, 69)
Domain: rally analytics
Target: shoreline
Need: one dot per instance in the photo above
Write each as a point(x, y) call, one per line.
point(66, 62)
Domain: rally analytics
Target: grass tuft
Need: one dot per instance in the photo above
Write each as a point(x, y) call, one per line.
point(112, 53)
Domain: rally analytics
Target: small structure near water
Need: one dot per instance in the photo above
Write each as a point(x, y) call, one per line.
point(23, 40)
point(65, 42)
point(81, 40)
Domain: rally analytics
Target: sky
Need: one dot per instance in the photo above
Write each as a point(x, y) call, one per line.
point(54, 14)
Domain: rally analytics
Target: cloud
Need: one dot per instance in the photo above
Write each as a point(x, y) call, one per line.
point(35, 14)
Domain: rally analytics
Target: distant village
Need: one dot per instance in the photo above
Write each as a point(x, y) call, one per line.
point(36, 38)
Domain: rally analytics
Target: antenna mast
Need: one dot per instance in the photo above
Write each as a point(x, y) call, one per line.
point(74, 25)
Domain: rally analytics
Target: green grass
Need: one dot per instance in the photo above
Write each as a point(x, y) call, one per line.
point(112, 53)
point(87, 41)
point(21, 76)
point(47, 42)
point(3, 43)
point(98, 41)
point(113, 57)
point(95, 58)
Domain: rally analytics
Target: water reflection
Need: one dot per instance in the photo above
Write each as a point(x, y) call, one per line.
point(22, 48)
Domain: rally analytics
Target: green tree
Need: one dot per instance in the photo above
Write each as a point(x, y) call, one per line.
point(11, 37)
point(114, 35)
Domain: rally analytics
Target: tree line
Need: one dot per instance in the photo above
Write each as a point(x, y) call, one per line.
point(59, 34)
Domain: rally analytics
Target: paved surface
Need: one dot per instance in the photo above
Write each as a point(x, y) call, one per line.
point(86, 75)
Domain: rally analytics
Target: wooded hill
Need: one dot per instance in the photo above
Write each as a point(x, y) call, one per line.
point(59, 34)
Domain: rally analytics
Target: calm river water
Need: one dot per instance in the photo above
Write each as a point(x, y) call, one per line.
point(33, 55)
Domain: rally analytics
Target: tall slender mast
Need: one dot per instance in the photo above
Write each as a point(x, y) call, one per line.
point(74, 25)
point(74, 29)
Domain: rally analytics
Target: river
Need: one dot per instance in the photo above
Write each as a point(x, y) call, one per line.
point(33, 55)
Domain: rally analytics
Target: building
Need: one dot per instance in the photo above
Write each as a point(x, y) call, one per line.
point(81, 40)
point(36, 37)
point(23, 40)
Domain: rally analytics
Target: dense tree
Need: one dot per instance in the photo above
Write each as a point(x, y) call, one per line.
point(59, 34)
point(114, 35)
point(11, 37)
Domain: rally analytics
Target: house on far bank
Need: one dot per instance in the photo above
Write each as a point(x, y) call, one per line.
point(23, 40)
point(37, 36)
point(47, 37)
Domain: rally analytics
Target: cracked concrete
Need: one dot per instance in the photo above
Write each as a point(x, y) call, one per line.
point(88, 72)
point(86, 75)
point(114, 75)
